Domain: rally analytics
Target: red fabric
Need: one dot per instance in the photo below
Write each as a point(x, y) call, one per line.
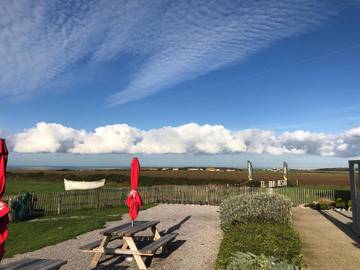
point(4, 209)
point(3, 234)
point(3, 163)
point(133, 201)
point(135, 173)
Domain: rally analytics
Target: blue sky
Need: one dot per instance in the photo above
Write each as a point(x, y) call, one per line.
point(95, 83)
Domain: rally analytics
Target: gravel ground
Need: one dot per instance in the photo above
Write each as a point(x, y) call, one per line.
point(195, 248)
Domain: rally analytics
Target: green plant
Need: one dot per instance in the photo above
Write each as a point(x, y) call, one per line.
point(22, 207)
point(255, 208)
point(249, 261)
point(339, 203)
point(277, 240)
point(350, 204)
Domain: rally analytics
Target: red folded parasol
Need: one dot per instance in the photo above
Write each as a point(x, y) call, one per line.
point(133, 200)
point(4, 209)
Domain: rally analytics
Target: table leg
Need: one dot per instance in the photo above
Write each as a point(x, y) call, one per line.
point(130, 242)
point(155, 233)
point(157, 236)
point(98, 255)
point(124, 245)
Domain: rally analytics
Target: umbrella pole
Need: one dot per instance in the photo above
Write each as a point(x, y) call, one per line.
point(132, 223)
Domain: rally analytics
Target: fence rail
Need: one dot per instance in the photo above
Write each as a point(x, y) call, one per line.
point(63, 202)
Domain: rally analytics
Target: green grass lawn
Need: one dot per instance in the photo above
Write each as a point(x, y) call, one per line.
point(32, 185)
point(31, 235)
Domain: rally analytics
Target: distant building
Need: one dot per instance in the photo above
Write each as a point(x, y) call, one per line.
point(175, 169)
point(210, 169)
point(230, 170)
point(193, 169)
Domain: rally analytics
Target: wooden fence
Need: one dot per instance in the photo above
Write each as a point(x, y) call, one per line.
point(64, 202)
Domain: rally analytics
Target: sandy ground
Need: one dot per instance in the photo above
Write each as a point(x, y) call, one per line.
point(328, 242)
point(195, 247)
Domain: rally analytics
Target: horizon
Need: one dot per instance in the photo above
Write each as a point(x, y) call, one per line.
point(56, 168)
point(192, 84)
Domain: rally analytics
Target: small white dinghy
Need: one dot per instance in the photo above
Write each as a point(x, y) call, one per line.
point(83, 185)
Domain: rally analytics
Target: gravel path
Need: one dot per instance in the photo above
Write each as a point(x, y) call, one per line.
point(195, 247)
point(328, 242)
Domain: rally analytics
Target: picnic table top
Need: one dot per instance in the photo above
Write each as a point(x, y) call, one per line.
point(128, 230)
point(34, 264)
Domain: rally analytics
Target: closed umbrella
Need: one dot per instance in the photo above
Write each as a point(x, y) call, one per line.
point(133, 201)
point(4, 209)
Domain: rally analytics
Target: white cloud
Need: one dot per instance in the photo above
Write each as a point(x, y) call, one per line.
point(46, 138)
point(176, 41)
point(186, 139)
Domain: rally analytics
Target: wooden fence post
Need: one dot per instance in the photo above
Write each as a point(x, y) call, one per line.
point(97, 199)
point(59, 204)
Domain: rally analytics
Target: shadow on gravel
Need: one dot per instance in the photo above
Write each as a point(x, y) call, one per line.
point(345, 228)
point(168, 250)
point(115, 265)
point(175, 227)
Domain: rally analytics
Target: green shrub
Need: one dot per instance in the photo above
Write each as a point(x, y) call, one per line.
point(249, 261)
point(339, 203)
point(277, 240)
point(350, 204)
point(255, 208)
point(22, 207)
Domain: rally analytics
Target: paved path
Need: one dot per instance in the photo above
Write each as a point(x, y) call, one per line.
point(328, 242)
point(195, 247)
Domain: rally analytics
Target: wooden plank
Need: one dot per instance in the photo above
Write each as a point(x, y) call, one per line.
point(138, 228)
point(98, 255)
point(95, 244)
point(152, 247)
point(118, 228)
point(34, 264)
point(128, 230)
point(139, 261)
point(53, 265)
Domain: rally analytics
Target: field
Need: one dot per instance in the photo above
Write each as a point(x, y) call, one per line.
point(19, 181)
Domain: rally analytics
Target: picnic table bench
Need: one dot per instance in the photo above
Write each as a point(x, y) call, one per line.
point(34, 264)
point(129, 244)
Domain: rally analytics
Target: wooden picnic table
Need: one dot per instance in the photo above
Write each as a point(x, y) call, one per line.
point(129, 243)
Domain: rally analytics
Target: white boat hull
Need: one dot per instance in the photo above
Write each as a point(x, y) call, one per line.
point(83, 185)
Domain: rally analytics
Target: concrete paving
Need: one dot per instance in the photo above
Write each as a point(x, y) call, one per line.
point(327, 238)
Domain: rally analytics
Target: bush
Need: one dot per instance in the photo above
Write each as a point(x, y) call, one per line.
point(339, 203)
point(255, 208)
point(350, 204)
point(246, 261)
point(274, 240)
point(22, 207)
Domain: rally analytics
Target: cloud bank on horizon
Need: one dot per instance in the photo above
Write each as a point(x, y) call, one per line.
point(175, 40)
point(190, 138)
